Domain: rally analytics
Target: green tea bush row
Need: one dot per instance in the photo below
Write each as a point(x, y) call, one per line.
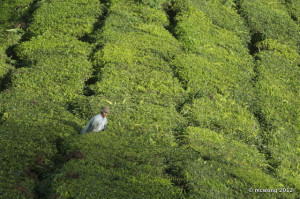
point(4, 66)
point(75, 18)
point(270, 19)
point(224, 15)
point(223, 115)
point(58, 66)
point(13, 11)
point(134, 70)
point(158, 4)
point(28, 141)
point(11, 22)
point(114, 167)
point(51, 80)
point(218, 46)
point(228, 168)
point(277, 81)
point(293, 8)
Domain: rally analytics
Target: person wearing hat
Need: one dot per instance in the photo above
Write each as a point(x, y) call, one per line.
point(97, 123)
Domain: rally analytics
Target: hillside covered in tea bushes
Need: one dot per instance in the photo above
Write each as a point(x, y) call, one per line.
point(204, 98)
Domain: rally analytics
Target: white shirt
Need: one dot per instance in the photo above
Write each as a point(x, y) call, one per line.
point(96, 124)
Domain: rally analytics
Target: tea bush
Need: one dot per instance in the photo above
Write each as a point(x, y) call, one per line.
point(270, 19)
point(224, 15)
point(225, 116)
point(293, 7)
point(224, 63)
point(12, 12)
point(11, 24)
point(195, 71)
point(114, 167)
point(4, 67)
point(158, 4)
point(217, 77)
point(276, 84)
point(76, 17)
point(30, 127)
point(203, 77)
point(135, 80)
point(228, 168)
point(55, 60)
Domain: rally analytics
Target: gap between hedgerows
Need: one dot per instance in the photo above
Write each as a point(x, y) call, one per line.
point(265, 127)
point(176, 168)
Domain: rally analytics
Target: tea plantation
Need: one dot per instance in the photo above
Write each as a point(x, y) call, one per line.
point(204, 99)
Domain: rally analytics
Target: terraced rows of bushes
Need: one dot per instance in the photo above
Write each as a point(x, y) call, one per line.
point(218, 74)
point(203, 98)
point(52, 69)
point(277, 84)
point(135, 80)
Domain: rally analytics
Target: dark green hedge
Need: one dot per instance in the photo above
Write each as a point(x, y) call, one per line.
point(228, 168)
point(271, 19)
point(57, 66)
point(225, 15)
point(13, 14)
point(293, 7)
point(113, 166)
point(278, 90)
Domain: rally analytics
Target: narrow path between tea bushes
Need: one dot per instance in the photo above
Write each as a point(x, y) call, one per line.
point(253, 49)
point(176, 171)
point(87, 91)
point(5, 81)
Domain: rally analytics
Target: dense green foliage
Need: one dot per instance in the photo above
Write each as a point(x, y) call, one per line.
point(74, 18)
point(204, 98)
point(129, 168)
point(136, 79)
point(227, 167)
point(271, 19)
point(10, 32)
point(293, 7)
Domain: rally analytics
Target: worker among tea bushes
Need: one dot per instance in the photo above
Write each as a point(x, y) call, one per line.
point(97, 123)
